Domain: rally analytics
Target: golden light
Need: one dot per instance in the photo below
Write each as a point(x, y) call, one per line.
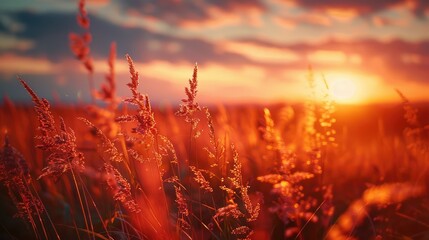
point(344, 88)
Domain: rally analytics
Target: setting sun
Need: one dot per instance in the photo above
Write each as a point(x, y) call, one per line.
point(343, 90)
point(346, 87)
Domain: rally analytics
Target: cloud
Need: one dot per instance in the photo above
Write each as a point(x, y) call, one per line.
point(52, 42)
point(98, 3)
point(146, 46)
point(8, 24)
point(307, 18)
point(361, 7)
point(394, 60)
point(10, 42)
point(261, 54)
point(46, 86)
point(12, 65)
point(165, 60)
point(327, 57)
point(195, 13)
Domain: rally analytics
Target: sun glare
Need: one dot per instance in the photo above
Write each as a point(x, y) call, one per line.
point(344, 89)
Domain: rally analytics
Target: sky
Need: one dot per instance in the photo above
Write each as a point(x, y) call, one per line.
point(247, 51)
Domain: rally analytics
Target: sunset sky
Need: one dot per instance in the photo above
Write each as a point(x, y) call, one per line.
point(247, 50)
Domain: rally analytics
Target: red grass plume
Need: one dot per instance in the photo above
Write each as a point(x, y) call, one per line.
point(79, 43)
point(58, 143)
point(145, 116)
point(15, 176)
point(190, 106)
point(120, 187)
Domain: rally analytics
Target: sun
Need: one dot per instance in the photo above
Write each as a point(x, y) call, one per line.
point(344, 89)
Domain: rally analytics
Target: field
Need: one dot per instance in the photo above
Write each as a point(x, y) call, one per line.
point(122, 167)
point(305, 171)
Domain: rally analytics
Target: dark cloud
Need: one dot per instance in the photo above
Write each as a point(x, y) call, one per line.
point(178, 12)
point(50, 33)
point(3, 27)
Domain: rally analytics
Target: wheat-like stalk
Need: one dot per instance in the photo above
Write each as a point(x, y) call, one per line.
point(79, 43)
point(190, 106)
point(120, 187)
point(15, 175)
point(146, 124)
point(58, 142)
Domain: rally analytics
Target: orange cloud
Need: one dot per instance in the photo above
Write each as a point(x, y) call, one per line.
point(342, 15)
point(355, 59)
point(12, 64)
point(311, 18)
point(379, 21)
point(212, 74)
point(216, 18)
point(285, 22)
point(237, 84)
point(324, 56)
point(361, 7)
point(411, 58)
point(264, 54)
point(98, 2)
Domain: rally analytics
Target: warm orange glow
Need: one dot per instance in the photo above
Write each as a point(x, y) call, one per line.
point(342, 15)
point(343, 90)
point(324, 56)
point(12, 64)
point(349, 87)
point(261, 53)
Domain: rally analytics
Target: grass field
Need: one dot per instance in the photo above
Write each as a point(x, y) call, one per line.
point(122, 168)
point(240, 172)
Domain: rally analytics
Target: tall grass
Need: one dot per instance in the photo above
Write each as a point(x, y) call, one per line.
point(132, 171)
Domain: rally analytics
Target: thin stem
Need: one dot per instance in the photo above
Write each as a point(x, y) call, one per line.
point(96, 209)
point(38, 215)
point(122, 217)
point(88, 210)
point(33, 225)
point(80, 199)
point(161, 182)
point(47, 214)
